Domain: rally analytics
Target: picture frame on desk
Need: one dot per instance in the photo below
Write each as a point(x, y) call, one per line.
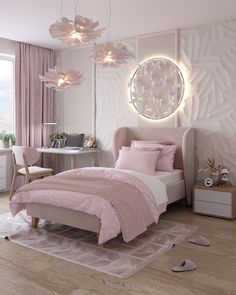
point(58, 143)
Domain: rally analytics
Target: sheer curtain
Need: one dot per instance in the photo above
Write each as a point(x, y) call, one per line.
point(33, 101)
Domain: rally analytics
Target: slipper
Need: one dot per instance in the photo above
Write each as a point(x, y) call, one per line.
point(185, 265)
point(202, 241)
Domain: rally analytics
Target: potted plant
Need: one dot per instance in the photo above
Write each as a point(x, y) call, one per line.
point(6, 139)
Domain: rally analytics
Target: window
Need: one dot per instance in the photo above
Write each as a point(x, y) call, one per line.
point(7, 91)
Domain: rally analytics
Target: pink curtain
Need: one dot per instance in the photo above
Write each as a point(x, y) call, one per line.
point(33, 101)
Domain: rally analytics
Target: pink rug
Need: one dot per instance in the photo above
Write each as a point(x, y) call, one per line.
point(116, 258)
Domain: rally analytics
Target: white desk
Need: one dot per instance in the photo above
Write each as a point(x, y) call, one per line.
point(5, 169)
point(72, 153)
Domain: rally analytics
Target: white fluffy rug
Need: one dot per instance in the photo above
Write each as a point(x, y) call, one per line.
point(116, 258)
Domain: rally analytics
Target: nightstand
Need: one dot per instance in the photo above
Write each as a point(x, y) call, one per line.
point(218, 201)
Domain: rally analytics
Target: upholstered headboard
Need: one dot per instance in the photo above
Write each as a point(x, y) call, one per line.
point(183, 137)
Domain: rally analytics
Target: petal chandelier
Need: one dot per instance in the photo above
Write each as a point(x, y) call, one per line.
point(76, 33)
point(79, 32)
point(111, 54)
point(62, 80)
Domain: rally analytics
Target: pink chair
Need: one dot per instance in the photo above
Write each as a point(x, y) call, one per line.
point(27, 156)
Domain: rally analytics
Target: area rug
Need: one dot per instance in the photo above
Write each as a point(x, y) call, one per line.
point(115, 258)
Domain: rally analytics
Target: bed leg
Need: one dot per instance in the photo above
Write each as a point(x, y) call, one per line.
point(34, 222)
point(100, 245)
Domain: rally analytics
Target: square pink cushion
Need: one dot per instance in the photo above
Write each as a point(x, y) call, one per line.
point(165, 160)
point(141, 161)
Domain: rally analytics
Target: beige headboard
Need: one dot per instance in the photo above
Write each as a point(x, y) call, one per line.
point(183, 137)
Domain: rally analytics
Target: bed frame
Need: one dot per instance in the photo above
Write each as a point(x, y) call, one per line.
point(184, 159)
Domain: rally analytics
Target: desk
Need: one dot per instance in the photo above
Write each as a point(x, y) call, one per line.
point(5, 169)
point(72, 153)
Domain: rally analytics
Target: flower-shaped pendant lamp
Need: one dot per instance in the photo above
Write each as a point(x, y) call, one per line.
point(81, 31)
point(111, 54)
point(62, 80)
point(78, 32)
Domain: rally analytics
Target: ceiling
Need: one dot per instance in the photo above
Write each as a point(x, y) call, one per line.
point(28, 20)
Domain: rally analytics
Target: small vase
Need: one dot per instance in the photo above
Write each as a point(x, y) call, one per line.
point(214, 176)
point(4, 144)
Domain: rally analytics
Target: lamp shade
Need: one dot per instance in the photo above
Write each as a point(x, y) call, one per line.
point(111, 54)
point(61, 80)
point(78, 32)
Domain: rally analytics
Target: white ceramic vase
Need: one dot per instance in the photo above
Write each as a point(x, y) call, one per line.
point(4, 144)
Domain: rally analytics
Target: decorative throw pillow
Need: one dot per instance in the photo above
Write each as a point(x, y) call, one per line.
point(165, 160)
point(141, 161)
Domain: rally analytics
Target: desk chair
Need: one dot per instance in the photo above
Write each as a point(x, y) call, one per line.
point(27, 156)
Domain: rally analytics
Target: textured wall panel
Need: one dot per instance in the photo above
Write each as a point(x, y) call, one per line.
point(113, 108)
point(160, 44)
point(209, 52)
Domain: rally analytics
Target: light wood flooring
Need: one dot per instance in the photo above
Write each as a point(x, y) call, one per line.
point(24, 271)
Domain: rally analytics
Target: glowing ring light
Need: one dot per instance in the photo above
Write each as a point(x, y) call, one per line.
point(156, 88)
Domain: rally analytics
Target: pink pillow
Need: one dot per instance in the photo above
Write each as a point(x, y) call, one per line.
point(125, 148)
point(165, 160)
point(141, 161)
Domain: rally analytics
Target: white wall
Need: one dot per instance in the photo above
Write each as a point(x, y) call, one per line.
point(74, 108)
point(208, 53)
point(113, 108)
point(7, 46)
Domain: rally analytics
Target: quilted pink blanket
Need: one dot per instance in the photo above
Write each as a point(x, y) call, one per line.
point(105, 197)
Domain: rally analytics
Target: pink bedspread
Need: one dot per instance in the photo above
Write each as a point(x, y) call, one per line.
point(91, 204)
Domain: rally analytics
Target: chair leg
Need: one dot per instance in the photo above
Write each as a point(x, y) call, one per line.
point(12, 186)
point(34, 222)
point(27, 179)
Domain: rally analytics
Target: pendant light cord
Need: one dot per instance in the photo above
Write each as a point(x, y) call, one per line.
point(77, 7)
point(61, 8)
point(109, 21)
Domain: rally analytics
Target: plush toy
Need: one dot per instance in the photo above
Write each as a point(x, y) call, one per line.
point(90, 142)
point(224, 176)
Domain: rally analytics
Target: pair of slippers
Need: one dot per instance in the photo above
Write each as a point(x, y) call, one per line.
point(188, 265)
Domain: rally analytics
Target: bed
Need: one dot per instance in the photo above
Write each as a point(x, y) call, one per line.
point(184, 157)
point(178, 184)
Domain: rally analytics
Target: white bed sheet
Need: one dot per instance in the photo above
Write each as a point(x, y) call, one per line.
point(157, 186)
point(170, 177)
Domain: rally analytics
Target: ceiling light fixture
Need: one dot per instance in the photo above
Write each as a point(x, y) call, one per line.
point(61, 80)
point(78, 32)
point(111, 54)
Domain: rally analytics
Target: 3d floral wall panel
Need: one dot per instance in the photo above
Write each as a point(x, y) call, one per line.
point(209, 53)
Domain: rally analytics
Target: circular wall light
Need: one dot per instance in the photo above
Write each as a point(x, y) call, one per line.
point(156, 88)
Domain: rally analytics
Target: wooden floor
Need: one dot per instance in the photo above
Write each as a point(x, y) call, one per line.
point(25, 271)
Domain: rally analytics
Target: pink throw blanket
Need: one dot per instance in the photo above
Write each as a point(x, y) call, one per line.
point(129, 204)
point(89, 203)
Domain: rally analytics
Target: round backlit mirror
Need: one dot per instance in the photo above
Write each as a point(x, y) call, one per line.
point(156, 88)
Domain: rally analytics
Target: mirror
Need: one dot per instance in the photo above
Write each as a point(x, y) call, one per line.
point(156, 88)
